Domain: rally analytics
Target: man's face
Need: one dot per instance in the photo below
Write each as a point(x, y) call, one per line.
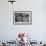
point(18, 17)
point(25, 17)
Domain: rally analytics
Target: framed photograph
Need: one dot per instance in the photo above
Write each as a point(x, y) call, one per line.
point(22, 17)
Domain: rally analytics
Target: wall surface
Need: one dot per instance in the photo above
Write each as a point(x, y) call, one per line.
point(9, 31)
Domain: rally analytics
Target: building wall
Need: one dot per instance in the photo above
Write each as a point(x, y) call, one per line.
point(9, 31)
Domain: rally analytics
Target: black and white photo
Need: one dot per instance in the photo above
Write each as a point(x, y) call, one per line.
point(22, 17)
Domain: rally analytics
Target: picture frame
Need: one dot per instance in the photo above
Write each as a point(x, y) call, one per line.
point(22, 17)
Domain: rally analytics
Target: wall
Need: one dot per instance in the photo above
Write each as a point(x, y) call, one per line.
point(9, 31)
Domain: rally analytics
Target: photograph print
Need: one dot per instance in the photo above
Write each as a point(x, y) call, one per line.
point(22, 17)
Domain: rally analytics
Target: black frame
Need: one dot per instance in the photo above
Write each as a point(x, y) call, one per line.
point(22, 23)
